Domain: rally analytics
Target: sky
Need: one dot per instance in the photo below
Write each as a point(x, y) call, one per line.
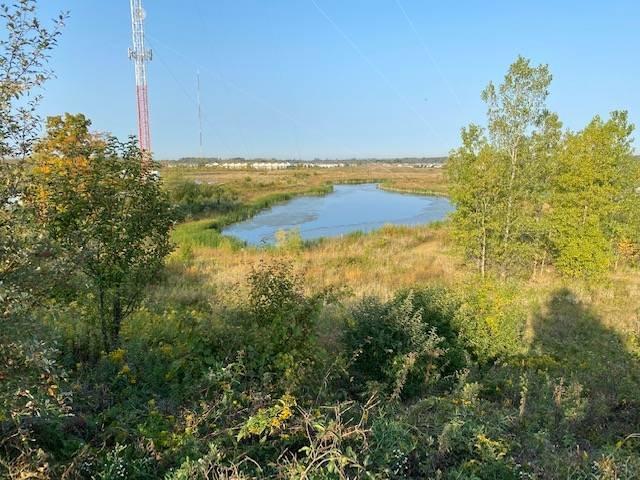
point(336, 78)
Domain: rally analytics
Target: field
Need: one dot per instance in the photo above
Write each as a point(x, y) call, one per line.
point(139, 342)
point(578, 340)
point(379, 355)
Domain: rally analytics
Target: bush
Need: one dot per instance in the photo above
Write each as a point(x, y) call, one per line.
point(281, 323)
point(490, 322)
point(404, 345)
point(191, 198)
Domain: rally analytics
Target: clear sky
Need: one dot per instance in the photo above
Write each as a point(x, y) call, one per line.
point(337, 78)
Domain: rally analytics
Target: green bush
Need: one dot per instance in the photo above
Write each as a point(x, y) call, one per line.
point(280, 321)
point(191, 198)
point(490, 322)
point(404, 345)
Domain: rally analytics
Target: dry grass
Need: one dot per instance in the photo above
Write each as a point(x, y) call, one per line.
point(367, 264)
point(253, 184)
point(381, 262)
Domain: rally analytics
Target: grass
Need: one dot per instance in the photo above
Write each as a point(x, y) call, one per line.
point(560, 401)
point(253, 184)
point(564, 403)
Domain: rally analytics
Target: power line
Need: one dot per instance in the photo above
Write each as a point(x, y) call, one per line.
point(188, 95)
point(428, 53)
point(246, 93)
point(379, 72)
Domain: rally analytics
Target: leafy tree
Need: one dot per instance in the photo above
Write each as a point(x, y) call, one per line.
point(474, 175)
point(498, 180)
point(546, 144)
point(24, 54)
point(515, 109)
point(593, 199)
point(105, 213)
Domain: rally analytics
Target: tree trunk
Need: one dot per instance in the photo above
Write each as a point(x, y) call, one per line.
point(103, 322)
point(117, 321)
point(512, 178)
point(483, 256)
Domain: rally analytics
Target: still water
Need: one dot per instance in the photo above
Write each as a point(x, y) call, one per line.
point(347, 209)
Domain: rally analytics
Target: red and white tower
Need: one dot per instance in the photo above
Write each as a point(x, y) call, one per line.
point(140, 56)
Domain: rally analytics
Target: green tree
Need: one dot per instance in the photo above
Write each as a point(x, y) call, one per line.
point(498, 180)
point(474, 176)
point(105, 213)
point(593, 198)
point(515, 109)
point(24, 53)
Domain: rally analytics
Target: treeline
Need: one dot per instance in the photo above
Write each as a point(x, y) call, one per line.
point(529, 194)
point(351, 161)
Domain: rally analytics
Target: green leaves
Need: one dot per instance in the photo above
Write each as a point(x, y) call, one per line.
point(593, 199)
point(529, 194)
point(108, 216)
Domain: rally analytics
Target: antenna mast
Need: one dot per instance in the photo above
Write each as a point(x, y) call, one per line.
point(140, 56)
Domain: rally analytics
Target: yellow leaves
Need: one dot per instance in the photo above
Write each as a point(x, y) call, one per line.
point(268, 421)
point(117, 355)
point(52, 391)
point(489, 448)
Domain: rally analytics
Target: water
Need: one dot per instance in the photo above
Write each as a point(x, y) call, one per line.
point(347, 209)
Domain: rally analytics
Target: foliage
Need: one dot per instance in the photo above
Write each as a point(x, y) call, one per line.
point(271, 381)
point(109, 217)
point(528, 195)
point(193, 198)
point(24, 56)
point(477, 191)
point(490, 321)
point(282, 322)
point(406, 345)
point(594, 199)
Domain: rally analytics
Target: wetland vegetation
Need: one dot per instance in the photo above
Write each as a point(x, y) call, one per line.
point(140, 342)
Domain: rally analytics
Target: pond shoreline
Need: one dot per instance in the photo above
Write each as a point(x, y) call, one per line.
point(349, 207)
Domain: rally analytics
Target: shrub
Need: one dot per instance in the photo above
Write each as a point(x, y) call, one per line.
point(404, 345)
point(191, 198)
point(282, 322)
point(490, 321)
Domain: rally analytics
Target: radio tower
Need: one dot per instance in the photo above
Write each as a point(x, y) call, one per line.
point(140, 56)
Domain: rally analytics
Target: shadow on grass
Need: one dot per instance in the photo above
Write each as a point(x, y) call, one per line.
point(595, 386)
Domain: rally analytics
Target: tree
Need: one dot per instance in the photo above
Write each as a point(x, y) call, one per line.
point(24, 54)
point(497, 182)
point(515, 110)
point(476, 191)
point(110, 217)
point(594, 202)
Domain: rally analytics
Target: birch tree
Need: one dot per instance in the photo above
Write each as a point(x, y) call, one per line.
point(516, 110)
point(474, 174)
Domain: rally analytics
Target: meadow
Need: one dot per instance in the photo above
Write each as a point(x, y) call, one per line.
point(379, 355)
point(554, 361)
point(139, 342)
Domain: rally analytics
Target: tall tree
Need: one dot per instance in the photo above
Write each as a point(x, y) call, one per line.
point(516, 108)
point(594, 201)
point(474, 176)
point(25, 46)
point(104, 212)
point(497, 181)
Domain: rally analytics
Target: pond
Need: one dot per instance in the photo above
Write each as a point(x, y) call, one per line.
point(347, 209)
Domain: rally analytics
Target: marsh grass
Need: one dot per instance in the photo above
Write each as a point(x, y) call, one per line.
point(534, 378)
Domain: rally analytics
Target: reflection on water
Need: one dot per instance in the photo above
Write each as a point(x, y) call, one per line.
point(348, 208)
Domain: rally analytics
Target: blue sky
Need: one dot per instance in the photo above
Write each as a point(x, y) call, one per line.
point(337, 78)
